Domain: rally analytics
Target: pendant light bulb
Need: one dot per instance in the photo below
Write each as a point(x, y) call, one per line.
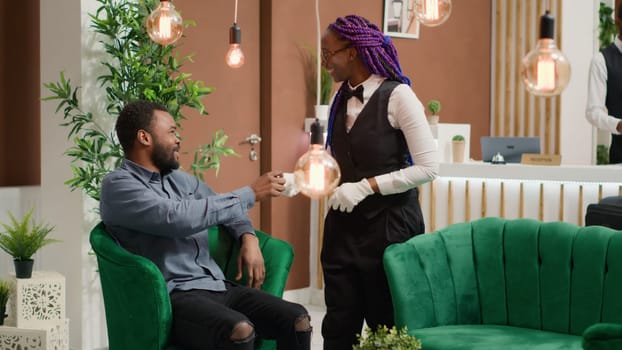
point(164, 24)
point(432, 13)
point(235, 56)
point(316, 173)
point(545, 70)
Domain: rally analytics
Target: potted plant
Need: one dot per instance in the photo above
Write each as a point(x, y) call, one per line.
point(434, 106)
point(22, 239)
point(326, 83)
point(607, 29)
point(387, 339)
point(457, 148)
point(5, 293)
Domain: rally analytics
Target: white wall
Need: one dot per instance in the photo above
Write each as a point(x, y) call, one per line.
point(63, 48)
point(578, 42)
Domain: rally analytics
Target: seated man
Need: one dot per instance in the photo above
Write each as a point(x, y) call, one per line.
point(161, 213)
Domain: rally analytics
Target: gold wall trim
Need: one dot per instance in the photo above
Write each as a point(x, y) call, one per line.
point(467, 202)
point(515, 112)
point(521, 201)
point(502, 201)
point(450, 203)
point(541, 203)
point(320, 239)
point(561, 203)
point(483, 206)
point(432, 208)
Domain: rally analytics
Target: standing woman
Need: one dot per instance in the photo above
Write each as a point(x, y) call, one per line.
point(380, 137)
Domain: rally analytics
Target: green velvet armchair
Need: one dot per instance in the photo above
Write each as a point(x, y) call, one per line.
point(137, 304)
point(510, 284)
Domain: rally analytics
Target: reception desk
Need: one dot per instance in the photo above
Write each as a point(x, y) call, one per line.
point(468, 191)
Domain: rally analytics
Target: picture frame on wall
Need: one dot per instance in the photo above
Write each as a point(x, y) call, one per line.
point(399, 19)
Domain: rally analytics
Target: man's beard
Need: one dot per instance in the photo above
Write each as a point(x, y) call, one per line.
point(164, 160)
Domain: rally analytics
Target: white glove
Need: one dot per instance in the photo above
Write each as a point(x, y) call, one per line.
point(290, 185)
point(349, 194)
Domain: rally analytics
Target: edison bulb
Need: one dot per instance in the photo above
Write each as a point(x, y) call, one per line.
point(316, 173)
point(432, 13)
point(235, 56)
point(164, 24)
point(545, 70)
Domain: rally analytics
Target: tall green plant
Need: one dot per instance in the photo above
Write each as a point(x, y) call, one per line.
point(607, 29)
point(135, 68)
point(326, 81)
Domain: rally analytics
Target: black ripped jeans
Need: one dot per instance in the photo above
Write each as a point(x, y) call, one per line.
point(204, 320)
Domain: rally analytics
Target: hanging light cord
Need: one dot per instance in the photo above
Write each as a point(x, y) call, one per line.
point(235, 12)
point(319, 67)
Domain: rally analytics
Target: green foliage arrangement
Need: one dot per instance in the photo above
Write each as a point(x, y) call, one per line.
point(22, 239)
point(5, 293)
point(434, 106)
point(457, 138)
point(602, 155)
point(326, 81)
point(136, 68)
point(387, 339)
point(607, 29)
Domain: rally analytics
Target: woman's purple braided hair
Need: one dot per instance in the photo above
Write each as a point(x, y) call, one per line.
point(375, 49)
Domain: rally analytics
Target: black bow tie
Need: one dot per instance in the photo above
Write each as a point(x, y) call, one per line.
point(358, 93)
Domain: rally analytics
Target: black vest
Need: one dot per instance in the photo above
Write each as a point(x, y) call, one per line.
point(613, 102)
point(372, 147)
point(613, 59)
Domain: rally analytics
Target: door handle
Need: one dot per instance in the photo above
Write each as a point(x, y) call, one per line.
point(252, 139)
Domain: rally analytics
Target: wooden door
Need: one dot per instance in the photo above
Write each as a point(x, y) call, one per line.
point(234, 104)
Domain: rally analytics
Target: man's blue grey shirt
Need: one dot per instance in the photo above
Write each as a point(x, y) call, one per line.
point(165, 219)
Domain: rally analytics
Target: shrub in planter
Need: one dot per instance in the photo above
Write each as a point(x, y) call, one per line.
point(387, 339)
point(22, 239)
point(5, 292)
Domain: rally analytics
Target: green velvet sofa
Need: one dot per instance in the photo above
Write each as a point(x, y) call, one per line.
point(137, 304)
point(509, 284)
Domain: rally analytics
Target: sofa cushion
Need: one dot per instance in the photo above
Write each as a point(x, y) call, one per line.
point(493, 337)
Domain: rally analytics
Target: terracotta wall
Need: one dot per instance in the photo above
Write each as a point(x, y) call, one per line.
point(443, 65)
point(20, 154)
point(450, 63)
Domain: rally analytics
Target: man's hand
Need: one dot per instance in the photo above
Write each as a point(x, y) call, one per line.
point(270, 184)
point(619, 127)
point(349, 194)
point(251, 258)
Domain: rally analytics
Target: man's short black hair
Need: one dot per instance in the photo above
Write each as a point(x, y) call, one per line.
point(135, 116)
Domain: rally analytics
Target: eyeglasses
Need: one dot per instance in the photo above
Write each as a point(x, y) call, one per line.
point(327, 54)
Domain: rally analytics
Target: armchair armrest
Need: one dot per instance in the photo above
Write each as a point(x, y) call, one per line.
point(135, 296)
point(603, 336)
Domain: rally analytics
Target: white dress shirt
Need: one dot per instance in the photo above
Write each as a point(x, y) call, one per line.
point(405, 112)
point(596, 111)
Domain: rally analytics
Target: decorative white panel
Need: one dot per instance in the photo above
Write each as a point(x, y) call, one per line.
point(53, 337)
point(36, 301)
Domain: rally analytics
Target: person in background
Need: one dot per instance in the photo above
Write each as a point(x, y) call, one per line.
point(604, 93)
point(379, 135)
point(154, 210)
